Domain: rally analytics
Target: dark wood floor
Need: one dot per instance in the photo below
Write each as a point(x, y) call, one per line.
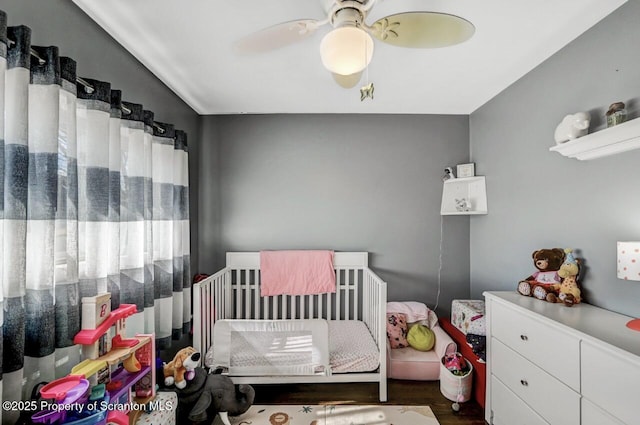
point(400, 392)
point(417, 393)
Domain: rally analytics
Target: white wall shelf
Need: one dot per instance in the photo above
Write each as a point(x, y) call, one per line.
point(472, 188)
point(617, 139)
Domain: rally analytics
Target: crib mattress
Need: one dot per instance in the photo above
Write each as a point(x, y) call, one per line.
point(351, 349)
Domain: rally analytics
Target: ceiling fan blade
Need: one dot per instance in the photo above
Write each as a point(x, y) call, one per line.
point(347, 81)
point(422, 29)
point(277, 36)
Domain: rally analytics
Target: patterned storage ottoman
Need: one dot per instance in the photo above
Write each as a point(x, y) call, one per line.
point(468, 316)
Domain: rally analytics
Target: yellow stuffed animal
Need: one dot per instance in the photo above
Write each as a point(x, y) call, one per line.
point(568, 289)
point(181, 368)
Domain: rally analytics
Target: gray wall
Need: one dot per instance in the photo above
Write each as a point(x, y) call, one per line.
point(540, 199)
point(372, 183)
point(63, 24)
point(342, 182)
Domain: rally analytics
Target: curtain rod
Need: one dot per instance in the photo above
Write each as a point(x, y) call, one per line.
point(35, 54)
point(88, 87)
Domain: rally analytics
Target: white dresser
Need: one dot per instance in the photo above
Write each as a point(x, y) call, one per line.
point(552, 364)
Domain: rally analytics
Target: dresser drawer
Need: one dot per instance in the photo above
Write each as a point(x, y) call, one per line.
point(548, 347)
point(593, 415)
point(509, 409)
point(610, 380)
point(554, 401)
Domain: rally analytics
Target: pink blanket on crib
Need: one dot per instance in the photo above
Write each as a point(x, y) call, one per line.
point(296, 272)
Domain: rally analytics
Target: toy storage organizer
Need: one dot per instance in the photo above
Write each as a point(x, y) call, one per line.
point(468, 316)
point(479, 368)
point(453, 387)
point(117, 377)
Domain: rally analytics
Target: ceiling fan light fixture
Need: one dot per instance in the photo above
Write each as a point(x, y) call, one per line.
point(346, 50)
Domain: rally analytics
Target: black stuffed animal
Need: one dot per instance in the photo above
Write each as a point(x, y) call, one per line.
point(221, 396)
point(206, 396)
point(189, 395)
point(478, 345)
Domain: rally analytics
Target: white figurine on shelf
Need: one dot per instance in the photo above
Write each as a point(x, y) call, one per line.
point(463, 205)
point(572, 126)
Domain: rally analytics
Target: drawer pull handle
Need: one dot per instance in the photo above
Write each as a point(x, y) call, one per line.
point(524, 337)
point(524, 383)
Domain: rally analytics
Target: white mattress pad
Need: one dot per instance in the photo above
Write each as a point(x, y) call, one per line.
point(351, 347)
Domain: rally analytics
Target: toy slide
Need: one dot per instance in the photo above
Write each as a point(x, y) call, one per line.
point(66, 390)
point(89, 336)
point(88, 368)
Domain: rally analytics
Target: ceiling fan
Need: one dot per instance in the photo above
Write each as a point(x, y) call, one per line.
point(347, 49)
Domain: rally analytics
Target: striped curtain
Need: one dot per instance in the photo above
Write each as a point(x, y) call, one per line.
point(16, 171)
point(3, 72)
point(67, 300)
point(132, 225)
point(163, 153)
point(94, 199)
point(42, 200)
point(181, 240)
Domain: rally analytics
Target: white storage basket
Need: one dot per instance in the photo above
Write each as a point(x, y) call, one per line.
point(453, 387)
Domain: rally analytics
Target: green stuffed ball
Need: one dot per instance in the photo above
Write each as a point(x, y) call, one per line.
point(421, 338)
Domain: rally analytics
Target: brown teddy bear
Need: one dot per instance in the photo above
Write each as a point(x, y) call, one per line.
point(546, 279)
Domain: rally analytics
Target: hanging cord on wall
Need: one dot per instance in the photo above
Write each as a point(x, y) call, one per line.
point(440, 262)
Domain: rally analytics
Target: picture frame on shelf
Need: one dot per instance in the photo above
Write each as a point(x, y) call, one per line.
point(466, 170)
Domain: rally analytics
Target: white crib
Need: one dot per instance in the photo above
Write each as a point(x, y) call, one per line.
point(234, 293)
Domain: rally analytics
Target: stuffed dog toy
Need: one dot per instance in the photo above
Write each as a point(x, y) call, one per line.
point(181, 368)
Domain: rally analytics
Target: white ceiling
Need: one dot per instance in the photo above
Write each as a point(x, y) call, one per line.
point(188, 44)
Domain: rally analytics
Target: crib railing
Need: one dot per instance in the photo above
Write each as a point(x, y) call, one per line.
point(374, 297)
point(234, 293)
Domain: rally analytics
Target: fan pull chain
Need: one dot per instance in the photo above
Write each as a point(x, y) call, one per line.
point(366, 90)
